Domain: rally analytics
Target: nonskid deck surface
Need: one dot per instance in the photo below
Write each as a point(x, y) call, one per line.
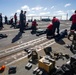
point(17, 56)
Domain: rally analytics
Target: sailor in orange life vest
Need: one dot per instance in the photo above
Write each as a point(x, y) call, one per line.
point(49, 31)
point(56, 25)
point(34, 25)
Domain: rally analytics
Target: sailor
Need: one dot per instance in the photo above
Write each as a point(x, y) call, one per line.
point(56, 25)
point(49, 30)
point(34, 25)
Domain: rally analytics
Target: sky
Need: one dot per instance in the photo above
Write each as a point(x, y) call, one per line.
point(38, 7)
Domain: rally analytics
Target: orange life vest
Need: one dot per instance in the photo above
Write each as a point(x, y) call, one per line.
point(2, 67)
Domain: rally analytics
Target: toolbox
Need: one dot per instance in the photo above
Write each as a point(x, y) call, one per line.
point(12, 70)
point(46, 64)
point(73, 59)
point(28, 66)
point(34, 70)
